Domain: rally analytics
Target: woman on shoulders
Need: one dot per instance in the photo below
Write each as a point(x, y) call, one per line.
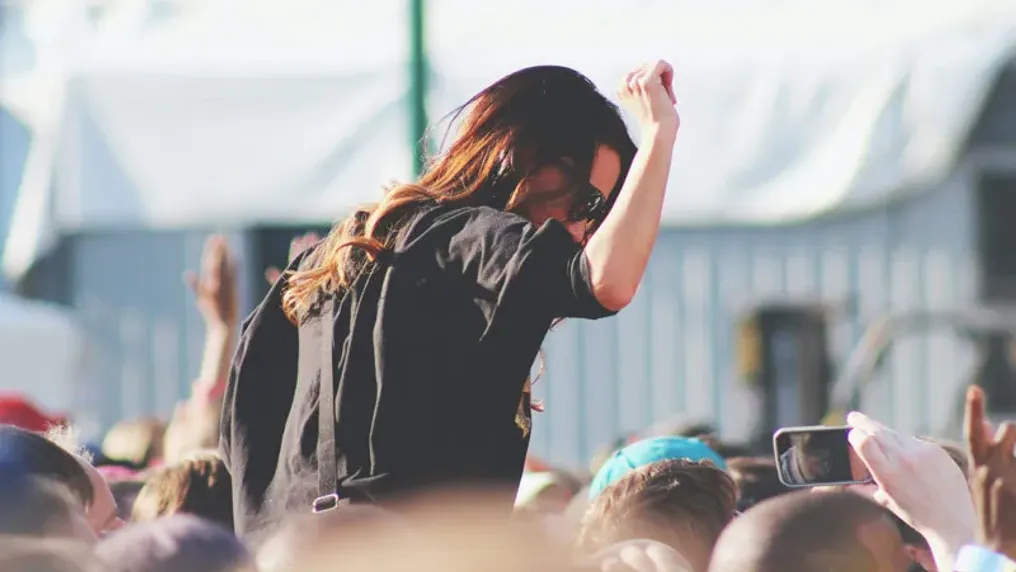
point(395, 354)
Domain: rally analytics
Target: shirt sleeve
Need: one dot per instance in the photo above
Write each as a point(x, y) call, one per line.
point(973, 558)
point(510, 258)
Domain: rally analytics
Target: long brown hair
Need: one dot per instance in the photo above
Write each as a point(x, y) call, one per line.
point(529, 119)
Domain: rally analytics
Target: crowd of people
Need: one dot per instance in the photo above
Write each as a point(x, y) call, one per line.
point(374, 411)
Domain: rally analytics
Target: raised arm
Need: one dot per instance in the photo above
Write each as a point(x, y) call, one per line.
point(216, 293)
point(619, 251)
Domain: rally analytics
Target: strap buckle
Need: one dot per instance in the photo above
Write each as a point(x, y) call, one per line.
point(325, 503)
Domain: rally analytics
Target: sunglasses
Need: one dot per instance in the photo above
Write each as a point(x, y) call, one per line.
point(589, 205)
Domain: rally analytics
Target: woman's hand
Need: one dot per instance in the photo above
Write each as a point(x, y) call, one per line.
point(647, 92)
point(217, 293)
point(618, 252)
point(993, 470)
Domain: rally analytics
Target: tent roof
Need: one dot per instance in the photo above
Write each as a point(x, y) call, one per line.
point(230, 111)
point(250, 37)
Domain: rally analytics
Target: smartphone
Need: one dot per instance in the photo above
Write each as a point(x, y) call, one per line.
point(817, 456)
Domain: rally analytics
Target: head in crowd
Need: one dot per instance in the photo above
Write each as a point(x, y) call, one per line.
point(757, 480)
point(548, 492)
point(101, 512)
point(648, 451)
point(135, 443)
point(304, 533)
point(26, 452)
point(199, 485)
point(174, 544)
point(535, 142)
point(21, 554)
point(683, 504)
point(809, 532)
point(576, 509)
point(40, 507)
point(454, 532)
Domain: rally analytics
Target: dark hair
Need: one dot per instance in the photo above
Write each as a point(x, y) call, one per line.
point(126, 492)
point(757, 480)
point(794, 533)
point(531, 119)
point(32, 454)
point(677, 502)
point(175, 543)
point(200, 486)
point(36, 506)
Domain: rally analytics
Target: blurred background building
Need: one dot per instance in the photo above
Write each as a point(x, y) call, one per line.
point(856, 156)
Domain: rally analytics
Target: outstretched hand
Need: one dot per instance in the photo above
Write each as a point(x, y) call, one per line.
point(919, 482)
point(647, 92)
point(993, 476)
point(215, 287)
point(296, 246)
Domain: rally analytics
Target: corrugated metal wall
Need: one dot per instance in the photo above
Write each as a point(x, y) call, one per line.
point(14, 144)
point(671, 353)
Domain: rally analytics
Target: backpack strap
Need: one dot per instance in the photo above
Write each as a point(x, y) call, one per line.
point(317, 350)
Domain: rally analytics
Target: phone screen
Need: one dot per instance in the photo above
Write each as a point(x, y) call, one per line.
point(814, 456)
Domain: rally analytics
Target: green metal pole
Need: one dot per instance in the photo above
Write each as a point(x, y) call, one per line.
point(418, 69)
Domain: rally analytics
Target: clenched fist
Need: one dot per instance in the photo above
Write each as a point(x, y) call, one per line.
point(647, 92)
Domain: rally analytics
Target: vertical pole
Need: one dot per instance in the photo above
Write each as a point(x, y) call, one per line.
point(418, 69)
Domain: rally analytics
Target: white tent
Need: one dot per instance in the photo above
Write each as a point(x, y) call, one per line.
point(41, 351)
point(790, 108)
point(254, 111)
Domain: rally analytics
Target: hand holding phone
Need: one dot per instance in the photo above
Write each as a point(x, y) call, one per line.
point(919, 482)
point(817, 456)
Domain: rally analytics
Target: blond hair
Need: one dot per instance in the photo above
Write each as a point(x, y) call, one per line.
point(68, 438)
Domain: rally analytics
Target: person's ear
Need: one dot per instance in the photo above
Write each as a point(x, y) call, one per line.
point(921, 555)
